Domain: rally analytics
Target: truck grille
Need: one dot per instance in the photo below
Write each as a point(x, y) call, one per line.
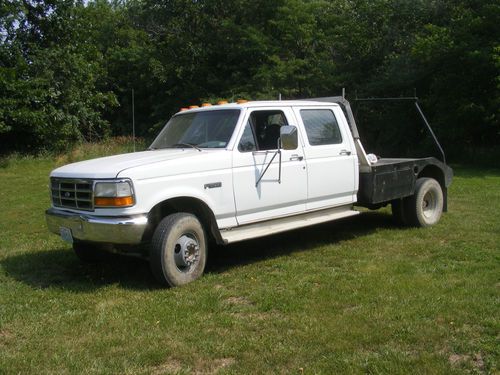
point(71, 193)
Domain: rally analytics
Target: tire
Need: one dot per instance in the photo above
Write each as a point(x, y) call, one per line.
point(89, 252)
point(425, 206)
point(398, 212)
point(178, 250)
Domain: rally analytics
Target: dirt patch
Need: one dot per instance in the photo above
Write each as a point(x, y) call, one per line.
point(212, 367)
point(457, 359)
point(475, 360)
point(172, 366)
point(109, 304)
point(239, 301)
point(260, 316)
point(201, 367)
point(5, 336)
point(478, 361)
point(350, 308)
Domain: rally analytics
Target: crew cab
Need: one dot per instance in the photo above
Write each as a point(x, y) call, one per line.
point(231, 172)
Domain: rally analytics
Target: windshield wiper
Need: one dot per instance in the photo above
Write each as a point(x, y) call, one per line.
point(186, 145)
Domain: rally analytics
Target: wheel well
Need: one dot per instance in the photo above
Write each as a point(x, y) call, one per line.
point(184, 204)
point(437, 174)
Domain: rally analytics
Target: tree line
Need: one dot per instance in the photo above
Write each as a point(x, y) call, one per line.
point(68, 67)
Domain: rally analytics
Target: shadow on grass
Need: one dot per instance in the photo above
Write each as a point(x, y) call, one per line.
point(466, 171)
point(306, 239)
point(59, 268)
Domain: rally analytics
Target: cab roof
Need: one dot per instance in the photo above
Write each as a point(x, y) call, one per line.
point(262, 103)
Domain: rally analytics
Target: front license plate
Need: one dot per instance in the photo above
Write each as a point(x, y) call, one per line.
point(66, 234)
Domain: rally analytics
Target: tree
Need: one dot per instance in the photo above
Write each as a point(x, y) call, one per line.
point(49, 77)
point(67, 68)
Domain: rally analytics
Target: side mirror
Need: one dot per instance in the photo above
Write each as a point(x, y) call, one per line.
point(289, 137)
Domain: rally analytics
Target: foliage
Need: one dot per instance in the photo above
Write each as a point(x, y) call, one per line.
point(49, 79)
point(68, 68)
point(108, 147)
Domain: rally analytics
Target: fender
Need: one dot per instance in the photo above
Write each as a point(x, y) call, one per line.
point(213, 189)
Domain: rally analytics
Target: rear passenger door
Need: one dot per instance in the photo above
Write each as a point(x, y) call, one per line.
point(332, 166)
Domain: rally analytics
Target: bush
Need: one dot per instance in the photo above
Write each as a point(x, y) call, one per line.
point(111, 146)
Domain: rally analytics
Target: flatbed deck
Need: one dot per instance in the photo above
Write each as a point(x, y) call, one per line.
point(394, 178)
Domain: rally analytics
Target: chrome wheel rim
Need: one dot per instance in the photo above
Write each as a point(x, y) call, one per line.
point(186, 252)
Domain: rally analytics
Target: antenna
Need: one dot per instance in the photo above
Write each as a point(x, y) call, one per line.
point(133, 119)
point(343, 92)
point(279, 96)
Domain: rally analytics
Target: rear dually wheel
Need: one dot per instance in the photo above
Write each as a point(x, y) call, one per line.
point(425, 206)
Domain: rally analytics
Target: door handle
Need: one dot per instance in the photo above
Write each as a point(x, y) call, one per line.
point(345, 152)
point(296, 157)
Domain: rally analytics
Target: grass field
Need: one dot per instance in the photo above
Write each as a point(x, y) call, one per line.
point(356, 296)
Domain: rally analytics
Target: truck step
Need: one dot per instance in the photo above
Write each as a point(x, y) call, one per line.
point(284, 224)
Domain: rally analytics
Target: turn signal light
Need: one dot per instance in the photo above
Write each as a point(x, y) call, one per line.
point(113, 202)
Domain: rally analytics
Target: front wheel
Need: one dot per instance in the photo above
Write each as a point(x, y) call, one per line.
point(424, 208)
point(178, 250)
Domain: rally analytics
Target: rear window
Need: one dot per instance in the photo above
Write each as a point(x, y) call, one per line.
point(321, 127)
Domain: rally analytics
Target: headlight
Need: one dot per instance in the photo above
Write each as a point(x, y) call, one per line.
point(113, 194)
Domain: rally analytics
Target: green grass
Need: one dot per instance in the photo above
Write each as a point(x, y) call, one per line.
point(356, 296)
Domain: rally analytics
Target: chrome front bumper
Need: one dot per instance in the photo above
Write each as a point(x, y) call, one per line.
point(115, 230)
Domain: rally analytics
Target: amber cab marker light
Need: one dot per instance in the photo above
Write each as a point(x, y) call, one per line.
point(241, 101)
point(206, 105)
point(113, 202)
point(220, 102)
point(184, 109)
point(193, 106)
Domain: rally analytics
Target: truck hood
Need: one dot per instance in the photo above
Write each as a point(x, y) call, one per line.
point(111, 166)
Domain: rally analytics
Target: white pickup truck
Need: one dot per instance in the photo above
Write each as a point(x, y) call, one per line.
point(227, 173)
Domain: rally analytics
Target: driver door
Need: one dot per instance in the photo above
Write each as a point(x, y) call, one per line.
point(275, 193)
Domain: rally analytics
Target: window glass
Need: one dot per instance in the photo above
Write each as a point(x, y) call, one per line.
point(266, 126)
point(321, 127)
point(247, 142)
point(208, 129)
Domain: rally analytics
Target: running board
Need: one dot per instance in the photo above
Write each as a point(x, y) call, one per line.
point(269, 227)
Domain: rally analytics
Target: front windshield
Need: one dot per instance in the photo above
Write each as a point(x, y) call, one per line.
point(207, 129)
